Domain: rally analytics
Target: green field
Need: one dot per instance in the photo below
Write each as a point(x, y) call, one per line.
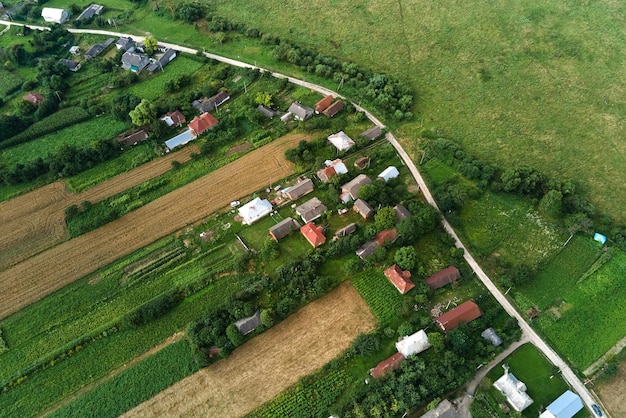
point(154, 87)
point(9, 82)
point(82, 134)
point(381, 296)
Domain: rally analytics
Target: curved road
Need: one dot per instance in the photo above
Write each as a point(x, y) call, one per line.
point(567, 373)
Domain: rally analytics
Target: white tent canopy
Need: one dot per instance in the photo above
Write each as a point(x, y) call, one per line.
point(53, 15)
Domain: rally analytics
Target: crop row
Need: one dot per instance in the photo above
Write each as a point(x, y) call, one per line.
point(382, 298)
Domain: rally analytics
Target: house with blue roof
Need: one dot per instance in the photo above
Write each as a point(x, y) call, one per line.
point(565, 406)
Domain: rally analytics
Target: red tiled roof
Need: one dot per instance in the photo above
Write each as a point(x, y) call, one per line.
point(387, 235)
point(386, 366)
point(400, 279)
point(465, 312)
point(313, 234)
point(201, 123)
point(323, 104)
point(443, 277)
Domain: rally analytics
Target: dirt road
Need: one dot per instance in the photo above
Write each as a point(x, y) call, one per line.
point(58, 266)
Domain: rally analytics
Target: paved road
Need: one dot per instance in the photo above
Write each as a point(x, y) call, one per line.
point(565, 370)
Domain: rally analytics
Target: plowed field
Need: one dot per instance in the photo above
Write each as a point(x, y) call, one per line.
point(268, 364)
point(56, 267)
point(35, 221)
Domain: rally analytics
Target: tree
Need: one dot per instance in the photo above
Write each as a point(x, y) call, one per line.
point(552, 204)
point(406, 258)
point(151, 44)
point(268, 318)
point(365, 344)
point(234, 335)
point(264, 98)
point(270, 250)
point(385, 218)
point(144, 113)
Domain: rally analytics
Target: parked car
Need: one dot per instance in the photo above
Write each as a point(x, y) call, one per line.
point(235, 204)
point(596, 409)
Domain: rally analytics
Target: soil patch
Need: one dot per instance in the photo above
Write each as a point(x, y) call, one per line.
point(239, 148)
point(35, 221)
point(56, 267)
point(268, 364)
point(613, 394)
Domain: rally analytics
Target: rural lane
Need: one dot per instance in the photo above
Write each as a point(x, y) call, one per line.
point(567, 373)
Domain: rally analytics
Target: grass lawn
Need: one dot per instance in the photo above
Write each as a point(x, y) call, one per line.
point(9, 82)
point(591, 318)
point(82, 134)
point(543, 383)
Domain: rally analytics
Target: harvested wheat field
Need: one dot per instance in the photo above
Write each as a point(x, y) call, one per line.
point(268, 364)
point(56, 267)
point(35, 221)
point(612, 392)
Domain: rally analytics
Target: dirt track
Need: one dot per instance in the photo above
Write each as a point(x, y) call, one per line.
point(268, 364)
point(56, 267)
point(35, 221)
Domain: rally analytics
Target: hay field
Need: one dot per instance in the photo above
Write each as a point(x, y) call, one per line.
point(268, 364)
point(35, 221)
point(54, 268)
point(532, 83)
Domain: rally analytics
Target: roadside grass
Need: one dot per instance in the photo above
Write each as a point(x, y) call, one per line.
point(542, 380)
point(82, 134)
point(560, 275)
point(593, 311)
point(154, 86)
point(546, 56)
point(129, 159)
point(135, 385)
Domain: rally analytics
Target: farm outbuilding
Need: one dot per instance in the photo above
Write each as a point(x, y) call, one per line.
point(346, 230)
point(255, 210)
point(341, 141)
point(443, 277)
point(445, 409)
point(367, 249)
point(283, 228)
point(401, 212)
point(386, 366)
point(465, 312)
point(180, 139)
point(249, 324)
point(565, 406)
point(490, 335)
point(91, 11)
point(300, 189)
point(372, 133)
point(413, 344)
point(363, 208)
point(389, 173)
point(54, 15)
point(333, 109)
point(323, 104)
point(311, 210)
point(386, 235)
point(134, 138)
point(599, 237)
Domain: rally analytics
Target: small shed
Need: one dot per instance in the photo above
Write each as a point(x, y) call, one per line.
point(254, 210)
point(53, 15)
point(363, 208)
point(249, 324)
point(386, 235)
point(389, 173)
point(599, 237)
point(362, 162)
point(346, 230)
point(490, 335)
point(341, 141)
point(314, 234)
point(283, 228)
point(75, 50)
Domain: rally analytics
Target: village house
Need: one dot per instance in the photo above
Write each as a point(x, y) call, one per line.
point(445, 409)
point(283, 228)
point(212, 103)
point(341, 141)
point(91, 11)
point(249, 324)
point(401, 212)
point(162, 60)
point(254, 210)
point(345, 231)
point(202, 123)
point(399, 278)
point(465, 312)
point(70, 65)
point(333, 109)
point(134, 138)
point(565, 406)
point(363, 208)
point(386, 235)
point(332, 169)
point(514, 390)
point(267, 112)
point(311, 210)
point(299, 112)
point(314, 234)
point(367, 249)
point(443, 277)
point(134, 61)
point(389, 173)
point(126, 43)
point(53, 15)
point(175, 118)
point(372, 133)
point(323, 104)
point(350, 190)
point(299, 189)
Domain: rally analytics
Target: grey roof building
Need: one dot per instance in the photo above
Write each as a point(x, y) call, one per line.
point(346, 230)
point(134, 62)
point(372, 133)
point(126, 43)
point(97, 49)
point(267, 112)
point(71, 65)
point(367, 249)
point(299, 111)
point(401, 212)
point(249, 324)
point(311, 210)
point(283, 228)
point(363, 208)
point(162, 61)
point(91, 11)
point(490, 335)
point(212, 103)
point(300, 189)
point(351, 189)
point(445, 409)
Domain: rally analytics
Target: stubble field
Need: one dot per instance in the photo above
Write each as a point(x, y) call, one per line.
point(58, 266)
point(268, 364)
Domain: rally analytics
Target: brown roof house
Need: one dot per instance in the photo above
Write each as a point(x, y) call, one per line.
point(134, 138)
point(283, 228)
point(386, 366)
point(465, 312)
point(323, 104)
point(311, 210)
point(202, 123)
point(372, 133)
point(363, 208)
point(300, 189)
point(443, 277)
point(350, 190)
point(313, 234)
point(386, 235)
point(175, 118)
point(34, 98)
point(400, 279)
point(333, 109)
